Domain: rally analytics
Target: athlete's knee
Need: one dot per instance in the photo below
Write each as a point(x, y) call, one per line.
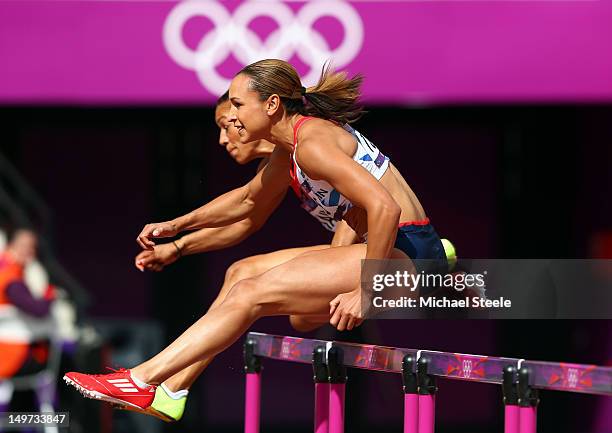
point(303, 324)
point(243, 295)
point(261, 297)
point(240, 270)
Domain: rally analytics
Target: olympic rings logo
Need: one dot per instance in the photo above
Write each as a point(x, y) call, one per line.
point(231, 34)
point(285, 349)
point(467, 368)
point(572, 377)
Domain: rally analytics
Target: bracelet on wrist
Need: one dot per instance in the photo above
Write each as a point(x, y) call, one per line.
point(179, 253)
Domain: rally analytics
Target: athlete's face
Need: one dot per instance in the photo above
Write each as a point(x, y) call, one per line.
point(230, 138)
point(248, 114)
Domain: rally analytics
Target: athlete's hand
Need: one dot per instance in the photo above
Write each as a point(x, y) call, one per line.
point(155, 260)
point(156, 230)
point(345, 310)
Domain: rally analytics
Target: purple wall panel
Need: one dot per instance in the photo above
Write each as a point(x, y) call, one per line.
point(414, 52)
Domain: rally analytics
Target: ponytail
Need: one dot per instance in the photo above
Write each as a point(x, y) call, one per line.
point(335, 97)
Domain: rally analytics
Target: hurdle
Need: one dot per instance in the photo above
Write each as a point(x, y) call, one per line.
point(520, 380)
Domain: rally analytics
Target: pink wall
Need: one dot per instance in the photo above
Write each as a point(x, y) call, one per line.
point(413, 52)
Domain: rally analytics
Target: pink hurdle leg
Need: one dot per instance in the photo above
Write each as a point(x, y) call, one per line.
point(322, 391)
point(511, 420)
point(411, 398)
point(427, 398)
point(528, 419)
point(252, 367)
point(337, 378)
point(528, 403)
point(511, 415)
point(411, 413)
point(253, 403)
point(427, 413)
point(336, 408)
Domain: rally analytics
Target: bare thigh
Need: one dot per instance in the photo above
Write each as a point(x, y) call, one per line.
point(306, 284)
point(264, 262)
point(255, 265)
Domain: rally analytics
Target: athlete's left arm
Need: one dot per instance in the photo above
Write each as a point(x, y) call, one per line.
point(344, 235)
point(321, 159)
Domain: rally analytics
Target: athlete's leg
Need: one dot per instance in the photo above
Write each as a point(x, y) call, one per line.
point(307, 323)
point(256, 265)
point(290, 288)
point(245, 268)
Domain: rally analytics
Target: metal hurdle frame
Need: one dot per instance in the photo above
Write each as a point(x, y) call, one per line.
point(520, 380)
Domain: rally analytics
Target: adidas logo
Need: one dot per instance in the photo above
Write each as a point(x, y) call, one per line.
point(124, 385)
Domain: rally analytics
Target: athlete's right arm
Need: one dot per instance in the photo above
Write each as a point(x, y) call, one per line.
point(206, 239)
point(268, 185)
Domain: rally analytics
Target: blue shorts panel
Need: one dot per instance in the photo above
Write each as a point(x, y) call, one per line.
point(421, 242)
